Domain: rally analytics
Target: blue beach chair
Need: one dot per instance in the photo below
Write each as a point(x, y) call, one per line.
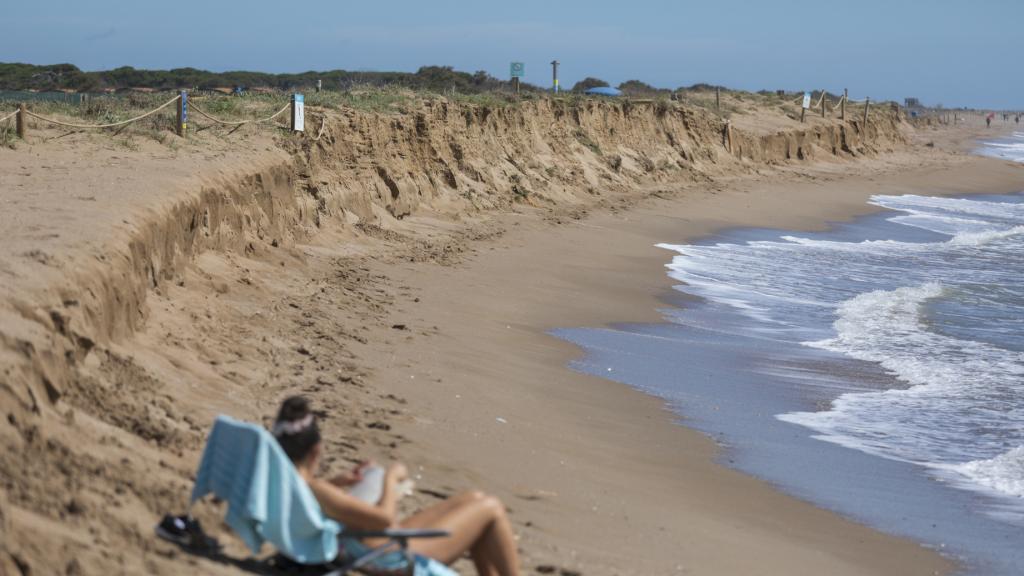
point(268, 501)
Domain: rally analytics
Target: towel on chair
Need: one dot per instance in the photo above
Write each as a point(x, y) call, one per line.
point(267, 499)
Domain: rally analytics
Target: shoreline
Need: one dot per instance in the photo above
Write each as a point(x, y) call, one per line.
point(638, 292)
point(740, 383)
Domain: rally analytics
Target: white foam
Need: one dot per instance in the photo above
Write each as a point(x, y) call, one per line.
point(957, 207)
point(963, 397)
point(948, 225)
point(1004, 473)
point(982, 238)
point(954, 383)
point(1010, 148)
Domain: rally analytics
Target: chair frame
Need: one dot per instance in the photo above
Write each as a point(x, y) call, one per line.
point(396, 537)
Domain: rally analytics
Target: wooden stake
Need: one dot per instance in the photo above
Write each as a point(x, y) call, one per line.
point(21, 120)
point(182, 117)
point(842, 106)
point(822, 103)
point(728, 135)
point(718, 98)
point(867, 104)
point(803, 111)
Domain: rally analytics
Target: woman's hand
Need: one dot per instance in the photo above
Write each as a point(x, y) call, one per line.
point(347, 479)
point(397, 472)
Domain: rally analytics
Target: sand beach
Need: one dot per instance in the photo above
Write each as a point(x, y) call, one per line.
point(405, 272)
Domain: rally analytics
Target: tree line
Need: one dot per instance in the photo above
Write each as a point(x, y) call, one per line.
point(15, 76)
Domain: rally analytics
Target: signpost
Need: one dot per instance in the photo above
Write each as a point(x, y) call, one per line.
point(554, 75)
point(517, 70)
point(298, 113)
point(807, 104)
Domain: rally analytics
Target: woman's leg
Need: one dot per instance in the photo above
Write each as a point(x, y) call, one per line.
point(478, 524)
point(428, 517)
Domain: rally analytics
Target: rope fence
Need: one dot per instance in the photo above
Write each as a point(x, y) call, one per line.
point(110, 125)
point(193, 106)
point(184, 103)
point(824, 105)
point(323, 124)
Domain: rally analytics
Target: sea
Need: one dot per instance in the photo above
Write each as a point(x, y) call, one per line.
point(876, 369)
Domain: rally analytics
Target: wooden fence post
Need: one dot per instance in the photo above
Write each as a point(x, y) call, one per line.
point(182, 117)
point(823, 103)
point(867, 104)
point(22, 120)
point(728, 136)
point(718, 98)
point(842, 105)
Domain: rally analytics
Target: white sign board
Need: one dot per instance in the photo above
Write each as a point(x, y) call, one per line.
point(807, 99)
point(298, 113)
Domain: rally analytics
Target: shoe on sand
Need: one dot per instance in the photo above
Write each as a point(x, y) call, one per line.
point(185, 532)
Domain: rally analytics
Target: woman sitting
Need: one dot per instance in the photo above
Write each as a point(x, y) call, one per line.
point(477, 522)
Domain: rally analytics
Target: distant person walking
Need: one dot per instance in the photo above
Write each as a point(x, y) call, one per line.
point(988, 119)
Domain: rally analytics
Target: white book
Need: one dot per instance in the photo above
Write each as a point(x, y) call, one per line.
point(371, 488)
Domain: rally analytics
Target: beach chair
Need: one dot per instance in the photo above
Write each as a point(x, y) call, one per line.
point(268, 501)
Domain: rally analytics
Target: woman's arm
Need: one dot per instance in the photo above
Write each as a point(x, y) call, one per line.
point(358, 514)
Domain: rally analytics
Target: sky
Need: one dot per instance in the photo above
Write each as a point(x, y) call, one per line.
point(949, 52)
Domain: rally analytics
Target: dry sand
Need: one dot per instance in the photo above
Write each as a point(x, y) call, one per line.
point(422, 338)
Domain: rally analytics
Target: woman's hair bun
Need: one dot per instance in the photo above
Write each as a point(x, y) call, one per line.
point(293, 409)
point(296, 429)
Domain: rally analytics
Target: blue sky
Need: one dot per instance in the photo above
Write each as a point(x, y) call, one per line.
point(953, 52)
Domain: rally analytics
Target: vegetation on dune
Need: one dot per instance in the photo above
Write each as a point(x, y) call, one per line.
point(15, 76)
point(588, 83)
point(642, 89)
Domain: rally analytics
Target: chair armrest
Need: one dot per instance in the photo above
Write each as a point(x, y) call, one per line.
point(396, 533)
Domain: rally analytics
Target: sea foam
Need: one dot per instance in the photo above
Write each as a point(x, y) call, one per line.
point(944, 316)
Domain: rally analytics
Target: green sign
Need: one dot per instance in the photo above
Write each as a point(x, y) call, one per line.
point(517, 70)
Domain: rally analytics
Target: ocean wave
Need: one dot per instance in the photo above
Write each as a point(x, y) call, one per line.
point(1003, 473)
point(982, 238)
point(960, 394)
point(933, 314)
point(1011, 148)
point(1010, 145)
point(974, 238)
point(949, 225)
point(958, 207)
